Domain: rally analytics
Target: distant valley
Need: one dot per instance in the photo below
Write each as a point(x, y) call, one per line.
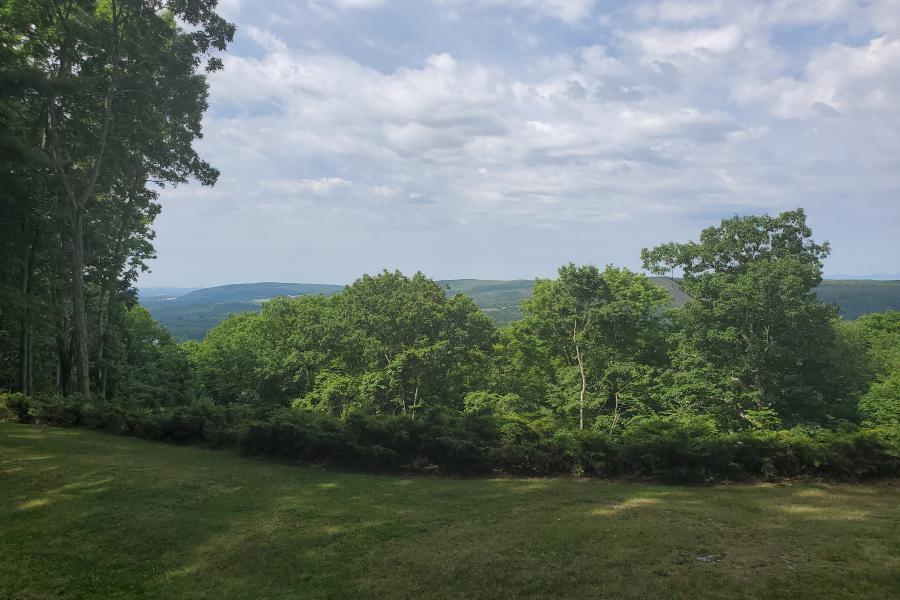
point(191, 312)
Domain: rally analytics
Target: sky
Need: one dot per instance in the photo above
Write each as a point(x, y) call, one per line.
point(499, 139)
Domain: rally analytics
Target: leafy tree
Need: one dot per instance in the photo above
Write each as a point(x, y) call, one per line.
point(522, 366)
point(602, 325)
point(882, 335)
point(298, 338)
point(387, 344)
point(228, 361)
point(881, 402)
point(112, 98)
point(429, 348)
point(566, 314)
point(752, 316)
point(336, 394)
point(157, 371)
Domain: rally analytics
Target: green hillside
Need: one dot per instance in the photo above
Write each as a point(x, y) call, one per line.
point(498, 299)
point(856, 297)
point(191, 315)
point(153, 293)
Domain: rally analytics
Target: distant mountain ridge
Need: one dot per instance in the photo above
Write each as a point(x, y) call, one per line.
point(872, 277)
point(147, 293)
point(250, 292)
point(189, 313)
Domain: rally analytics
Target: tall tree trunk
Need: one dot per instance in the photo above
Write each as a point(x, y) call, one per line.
point(101, 341)
point(78, 199)
point(64, 373)
point(29, 380)
point(615, 411)
point(23, 325)
point(107, 283)
point(23, 358)
point(26, 328)
point(580, 357)
point(79, 316)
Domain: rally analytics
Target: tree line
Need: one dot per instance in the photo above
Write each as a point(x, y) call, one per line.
point(753, 348)
point(100, 102)
point(752, 377)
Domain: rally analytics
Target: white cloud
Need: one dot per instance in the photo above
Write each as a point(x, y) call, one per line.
point(885, 16)
point(229, 8)
point(485, 143)
point(361, 4)
point(604, 133)
point(681, 11)
point(568, 11)
point(838, 79)
point(771, 12)
point(697, 42)
point(348, 4)
point(319, 186)
point(810, 11)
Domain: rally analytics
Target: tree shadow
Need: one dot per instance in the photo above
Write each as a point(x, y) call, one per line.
point(100, 516)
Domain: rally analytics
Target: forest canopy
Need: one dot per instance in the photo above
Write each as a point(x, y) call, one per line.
point(752, 348)
point(601, 375)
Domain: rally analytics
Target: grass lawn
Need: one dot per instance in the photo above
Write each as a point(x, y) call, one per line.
point(88, 515)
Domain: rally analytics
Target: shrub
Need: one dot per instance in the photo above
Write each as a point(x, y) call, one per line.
point(14, 406)
point(668, 449)
point(525, 450)
point(592, 453)
point(56, 410)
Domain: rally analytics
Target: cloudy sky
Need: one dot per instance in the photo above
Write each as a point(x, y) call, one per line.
point(502, 138)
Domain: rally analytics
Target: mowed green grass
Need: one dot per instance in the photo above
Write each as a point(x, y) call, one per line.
point(87, 515)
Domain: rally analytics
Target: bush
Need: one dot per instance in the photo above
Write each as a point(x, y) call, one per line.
point(14, 406)
point(667, 449)
point(56, 410)
point(592, 453)
point(526, 450)
point(433, 442)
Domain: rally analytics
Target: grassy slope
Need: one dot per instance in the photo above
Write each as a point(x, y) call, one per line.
point(87, 515)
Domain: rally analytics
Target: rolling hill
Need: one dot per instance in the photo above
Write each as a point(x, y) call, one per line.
point(856, 297)
point(190, 314)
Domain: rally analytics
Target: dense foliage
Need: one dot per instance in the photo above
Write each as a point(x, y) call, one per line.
point(748, 373)
point(752, 377)
point(436, 441)
point(100, 102)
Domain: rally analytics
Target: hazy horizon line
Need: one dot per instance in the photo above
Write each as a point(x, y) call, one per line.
point(827, 276)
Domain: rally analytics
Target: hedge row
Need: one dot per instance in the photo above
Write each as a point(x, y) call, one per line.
point(663, 449)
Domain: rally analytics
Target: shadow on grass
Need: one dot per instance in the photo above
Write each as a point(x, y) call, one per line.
point(98, 516)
